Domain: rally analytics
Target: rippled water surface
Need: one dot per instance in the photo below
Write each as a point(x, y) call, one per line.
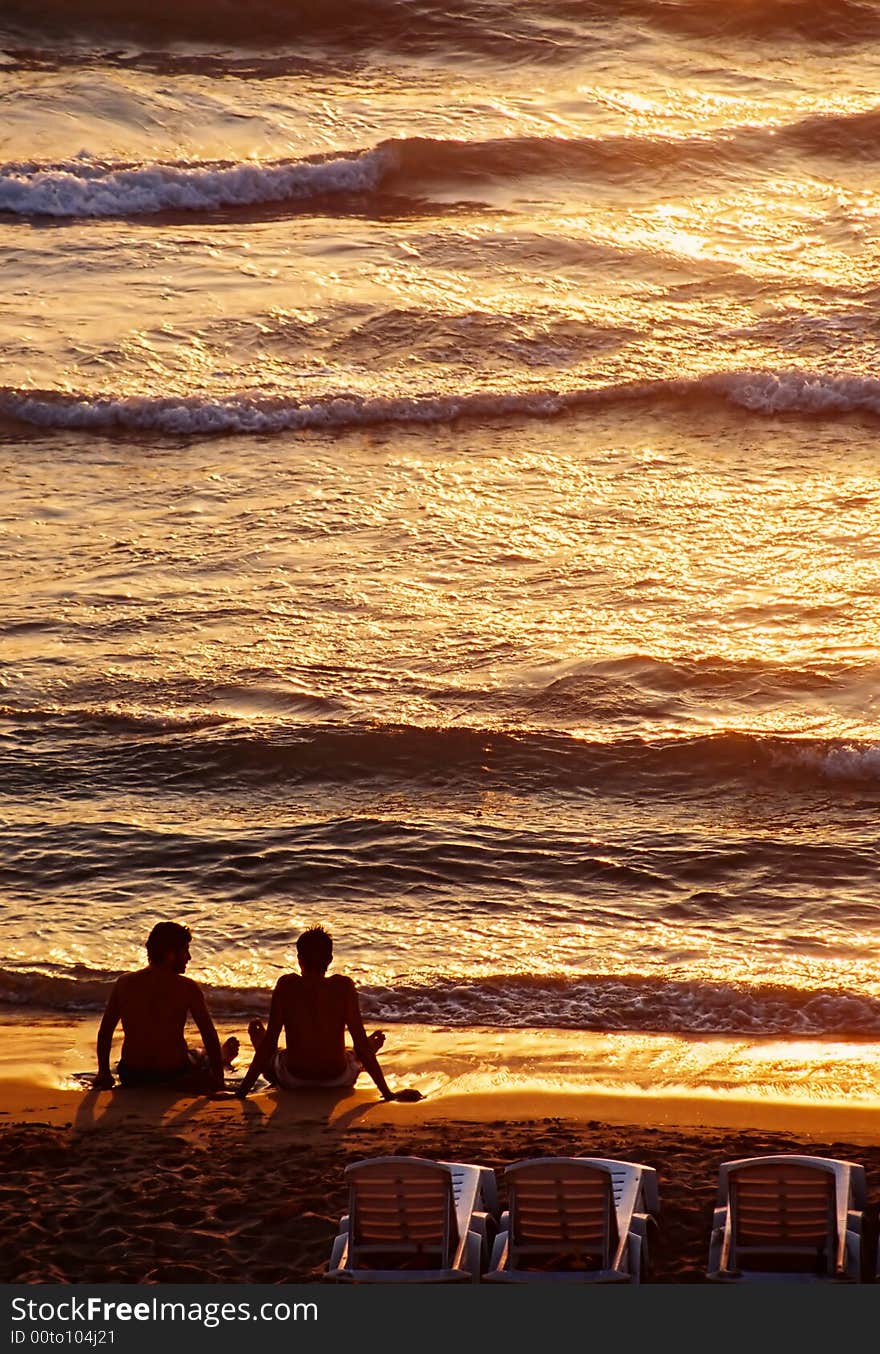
point(439, 449)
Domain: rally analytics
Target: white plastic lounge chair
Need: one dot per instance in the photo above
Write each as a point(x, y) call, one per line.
point(788, 1219)
point(575, 1220)
point(414, 1221)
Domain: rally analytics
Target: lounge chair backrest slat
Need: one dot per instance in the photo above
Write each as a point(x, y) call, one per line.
point(784, 1207)
point(563, 1206)
point(404, 1205)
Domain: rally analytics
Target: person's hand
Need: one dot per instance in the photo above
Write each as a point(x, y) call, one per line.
point(103, 1082)
point(408, 1095)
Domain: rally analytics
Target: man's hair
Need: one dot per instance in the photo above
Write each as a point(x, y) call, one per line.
point(315, 949)
point(165, 936)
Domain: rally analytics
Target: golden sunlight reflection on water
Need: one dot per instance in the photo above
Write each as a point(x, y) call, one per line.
point(517, 616)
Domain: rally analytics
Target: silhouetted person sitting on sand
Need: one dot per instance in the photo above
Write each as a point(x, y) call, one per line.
point(314, 1010)
point(153, 1005)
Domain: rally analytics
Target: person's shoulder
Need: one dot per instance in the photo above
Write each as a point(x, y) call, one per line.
point(190, 987)
point(341, 982)
point(286, 986)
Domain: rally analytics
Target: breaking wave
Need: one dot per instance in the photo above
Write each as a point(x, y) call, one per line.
point(91, 188)
point(591, 1002)
point(759, 392)
point(88, 187)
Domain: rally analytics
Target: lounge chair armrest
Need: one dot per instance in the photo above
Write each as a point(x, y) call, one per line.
point(858, 1186)
point(338, 1255)
point(485, 1225)
point(853, 1255)
point(344, 1223)
point(500, 1251)
point(489, 1190)
point(634, 1256)
point(642, 1224)
point(650, 1190)
point(474, 1256)
point(716, 1248)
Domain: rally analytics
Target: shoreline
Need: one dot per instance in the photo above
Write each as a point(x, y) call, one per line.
point(812, 1088)
point(30, 1103)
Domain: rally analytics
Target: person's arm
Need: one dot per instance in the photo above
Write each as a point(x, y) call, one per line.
point(199, 1011)
point(110, 1019)
point(268, 1045)
point(364, 1049)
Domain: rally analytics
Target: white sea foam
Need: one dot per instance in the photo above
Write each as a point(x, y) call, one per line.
point(781, 392)
point(846, 761)
point(80, 188)
point(193, 415)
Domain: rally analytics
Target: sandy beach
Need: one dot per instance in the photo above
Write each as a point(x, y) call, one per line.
point(148, 1187)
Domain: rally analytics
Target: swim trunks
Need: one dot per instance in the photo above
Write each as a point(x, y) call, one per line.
point(288, 1082)
point(161, 1076)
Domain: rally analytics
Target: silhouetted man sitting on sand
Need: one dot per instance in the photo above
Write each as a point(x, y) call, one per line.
point(314, 1010)
point(153, 1005)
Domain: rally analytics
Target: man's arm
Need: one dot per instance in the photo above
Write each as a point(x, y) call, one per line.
point(364, 1049)
point(199, 1011)
point(110, 1019)
point(268, 1044)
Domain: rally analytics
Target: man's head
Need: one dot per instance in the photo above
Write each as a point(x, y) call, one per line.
point(168, 945)
point(314, 950)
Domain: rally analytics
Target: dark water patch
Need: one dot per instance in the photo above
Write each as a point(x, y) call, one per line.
point(35, 757)
point(543, 29)
point(842, 136)
point(832, 22)
point(354, 858)
point(482, 29)
point(171, 61)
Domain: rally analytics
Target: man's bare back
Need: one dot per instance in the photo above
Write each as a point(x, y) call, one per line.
point(154, 1005)
point(314, 1012)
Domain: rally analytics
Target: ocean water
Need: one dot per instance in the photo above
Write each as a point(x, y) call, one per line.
point(439, 448)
